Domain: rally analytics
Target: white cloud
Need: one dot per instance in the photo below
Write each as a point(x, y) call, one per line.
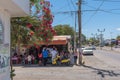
point(118, 29)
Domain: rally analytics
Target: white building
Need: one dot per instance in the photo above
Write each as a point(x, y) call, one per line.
point(8, 9)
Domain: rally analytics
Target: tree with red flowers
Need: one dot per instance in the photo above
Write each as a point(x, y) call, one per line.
point(46, 30)
point(34, 28)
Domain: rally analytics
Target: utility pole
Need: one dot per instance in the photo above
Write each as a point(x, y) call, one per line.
point(111, 40)
point(93, 38)
point(75, 34)
point(94, 35)
point(101, 38)
point(79, 27)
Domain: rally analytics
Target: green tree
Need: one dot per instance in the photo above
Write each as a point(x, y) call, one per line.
point(118, 37)
point(93, 41)
point(67, 30)
point(35, 27)
point(21, 31)
point(83, 38)
point(64, 30)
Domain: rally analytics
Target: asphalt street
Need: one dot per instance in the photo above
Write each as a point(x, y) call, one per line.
point(109, 57)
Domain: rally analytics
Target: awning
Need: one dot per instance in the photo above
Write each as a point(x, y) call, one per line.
point(55, 42)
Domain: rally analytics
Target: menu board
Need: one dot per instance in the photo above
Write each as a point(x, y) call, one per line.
point(4, 62)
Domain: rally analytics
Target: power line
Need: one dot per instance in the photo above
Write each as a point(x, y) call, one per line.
point(72, 12)
point(99, 7)
point(73, 4)
point(69, 5)
point(63, 20)
point(107, 11)
point(94, 12)
point(60, 7)
point(114, 9)
point(109, 0)
point(67, 12)
point(64, 12)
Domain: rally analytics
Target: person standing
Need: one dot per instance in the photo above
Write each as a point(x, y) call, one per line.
point(0, 62)
point(54, 53)
point(40, 57)
point(29, 59)
point(75, 57)
point(45, 56)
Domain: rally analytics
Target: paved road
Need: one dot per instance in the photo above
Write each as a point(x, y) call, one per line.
point(109, 49)
point(94, 69)
point(110, 57)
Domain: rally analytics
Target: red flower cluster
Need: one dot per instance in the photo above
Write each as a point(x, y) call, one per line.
point(44, 30)
point(31, 33)
point(29, 25)
point(47, 20)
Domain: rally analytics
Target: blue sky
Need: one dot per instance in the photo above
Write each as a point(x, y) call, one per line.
point(96, 14)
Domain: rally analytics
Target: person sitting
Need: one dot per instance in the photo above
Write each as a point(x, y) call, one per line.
point(29, 58)
point(15, 58)
point(33, 58)
point(64, 56)
point(40, 58)
point(23, 59)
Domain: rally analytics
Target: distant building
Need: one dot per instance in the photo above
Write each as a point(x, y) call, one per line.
point(110, 41)
point(118, 42)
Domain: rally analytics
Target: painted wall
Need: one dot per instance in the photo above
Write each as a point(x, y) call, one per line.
point(8, 9)
point(23, 4)
point(17, 8)
point(5, 46)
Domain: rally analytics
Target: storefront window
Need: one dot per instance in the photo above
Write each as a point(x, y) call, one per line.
point(1, 33)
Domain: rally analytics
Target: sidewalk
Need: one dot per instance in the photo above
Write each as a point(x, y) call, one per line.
point(110, 49)
point(93, 69)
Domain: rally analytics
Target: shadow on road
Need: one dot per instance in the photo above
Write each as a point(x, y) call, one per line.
point(103, 72)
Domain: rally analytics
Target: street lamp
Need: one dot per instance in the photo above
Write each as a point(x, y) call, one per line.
point(101, 37)
point(94, 38)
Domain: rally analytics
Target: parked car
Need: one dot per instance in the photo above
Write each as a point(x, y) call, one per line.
point(117, 46)
point(88, 51)
point(93, 47)
point(81, 49)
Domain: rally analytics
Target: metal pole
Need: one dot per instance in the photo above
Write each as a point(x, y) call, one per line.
point(79, 25)
point(93, 38)
point(101, 38)
point(111, 40)
point(75, 34)
point(11, 66)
